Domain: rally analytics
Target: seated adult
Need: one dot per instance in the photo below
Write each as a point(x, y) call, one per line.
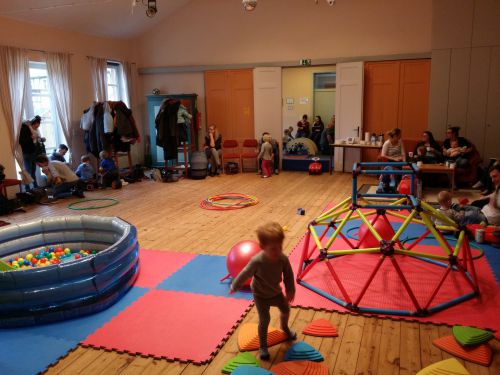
point(58, 155)
point(60, 177)
point(303, 128)
point(213, 145)
point(393, 148)
point(456, 147)
point(428, 150)
point(490, 206)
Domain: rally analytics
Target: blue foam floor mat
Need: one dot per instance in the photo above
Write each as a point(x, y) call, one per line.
point(202, 276)
point(29, 350)
point(23, 353)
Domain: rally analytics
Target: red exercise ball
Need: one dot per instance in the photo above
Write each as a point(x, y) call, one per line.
point(383, 228)
point(239, 256)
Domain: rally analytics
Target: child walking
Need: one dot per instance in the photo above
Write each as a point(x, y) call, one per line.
point(266, 155)
point(268, 268)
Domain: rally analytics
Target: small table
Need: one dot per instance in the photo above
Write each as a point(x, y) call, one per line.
point(349, 145)
point(440, 169)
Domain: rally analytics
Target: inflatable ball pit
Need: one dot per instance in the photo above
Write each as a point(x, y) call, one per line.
point(69, 289)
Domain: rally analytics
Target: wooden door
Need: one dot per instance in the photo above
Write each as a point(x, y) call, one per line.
point(349, 111)
point(492, 133)
point(380, 110)
point(241, 104)
point(229, 102)
point(413, 111)
point(216, 100)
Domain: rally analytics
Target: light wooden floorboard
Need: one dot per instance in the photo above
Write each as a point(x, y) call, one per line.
point(168, 216)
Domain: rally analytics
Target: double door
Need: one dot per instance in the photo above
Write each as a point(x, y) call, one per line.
point(229, 102)
point(396, 95)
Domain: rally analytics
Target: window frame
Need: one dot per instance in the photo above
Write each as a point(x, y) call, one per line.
point(29, 110)
point(120, 81)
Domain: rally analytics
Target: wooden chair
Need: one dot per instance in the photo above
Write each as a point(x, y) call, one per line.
point(9, 182)
point(230, 151)
point(250, 151)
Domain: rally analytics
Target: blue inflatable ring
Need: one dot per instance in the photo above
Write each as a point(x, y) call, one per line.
point(70, 289)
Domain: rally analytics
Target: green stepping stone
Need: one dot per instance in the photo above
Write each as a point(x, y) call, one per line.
point(467, 336)
point(246, 358)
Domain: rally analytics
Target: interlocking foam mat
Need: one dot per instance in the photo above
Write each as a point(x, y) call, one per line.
point(155, 308)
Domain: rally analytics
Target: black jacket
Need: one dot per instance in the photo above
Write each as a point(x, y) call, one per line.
point(25, 140)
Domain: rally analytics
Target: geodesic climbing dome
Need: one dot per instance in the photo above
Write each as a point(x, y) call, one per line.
point(383, 270)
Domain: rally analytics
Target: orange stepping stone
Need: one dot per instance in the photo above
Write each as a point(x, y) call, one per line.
point(449, 366)
point(248, 337)
point(300, 368)
point(320, 327)
point(480, 354)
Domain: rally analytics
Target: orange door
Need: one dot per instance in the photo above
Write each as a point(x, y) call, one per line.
point(241, 99)
point(414, 80)
point(216, 100)
point(380, 111)
point(229, 102)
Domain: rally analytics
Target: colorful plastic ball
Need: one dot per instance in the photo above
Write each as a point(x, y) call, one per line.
point(29, 256)
point(239, 256)
point(33, 260)
point(77, 256)
point(383, 228)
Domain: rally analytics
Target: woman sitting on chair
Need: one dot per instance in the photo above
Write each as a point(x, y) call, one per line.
point(213, 145)
point(393, 149)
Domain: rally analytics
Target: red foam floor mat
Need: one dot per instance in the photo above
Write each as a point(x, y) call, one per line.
point(172, 325)
point(157, 265)
point(387, 291)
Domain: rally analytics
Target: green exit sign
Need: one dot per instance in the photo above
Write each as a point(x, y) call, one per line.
point(305, 62)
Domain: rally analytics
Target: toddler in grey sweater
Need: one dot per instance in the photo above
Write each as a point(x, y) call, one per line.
point(268, 268)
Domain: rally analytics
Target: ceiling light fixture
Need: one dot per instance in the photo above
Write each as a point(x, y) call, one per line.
point(249, 5)
point(150, 5)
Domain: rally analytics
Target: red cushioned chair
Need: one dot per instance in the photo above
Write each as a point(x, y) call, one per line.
point(230, 151)
point(250, 151)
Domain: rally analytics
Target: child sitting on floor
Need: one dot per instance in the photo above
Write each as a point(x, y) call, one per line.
point(461, 214)
point(86, 172)
point(108, 172)
point(268, 268)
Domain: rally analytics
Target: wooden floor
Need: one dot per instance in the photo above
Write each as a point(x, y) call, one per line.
point(168, 216)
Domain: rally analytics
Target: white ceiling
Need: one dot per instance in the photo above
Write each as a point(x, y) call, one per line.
point(108, 18)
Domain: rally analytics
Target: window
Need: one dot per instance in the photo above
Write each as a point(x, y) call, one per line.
point(325, 80)
point(40, 102)
point(116, 83)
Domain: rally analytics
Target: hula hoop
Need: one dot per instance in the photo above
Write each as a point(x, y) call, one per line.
point(112, 201)
point(220, 202)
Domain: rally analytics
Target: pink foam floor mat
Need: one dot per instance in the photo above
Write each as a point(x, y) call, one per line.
point(386, 289)
point(173, 325)
point(157, 265)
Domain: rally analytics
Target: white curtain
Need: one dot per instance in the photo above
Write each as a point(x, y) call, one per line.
point(129, 82)
point(59, 72)
point(99, 71)
point(14, 78)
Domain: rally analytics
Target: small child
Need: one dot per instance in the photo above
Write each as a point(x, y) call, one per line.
point(290, 129)
point(85, 171)
point(287, 137)
point(462, 215)
point(268, 268)
point(454, 151)
point(108, 171)
point(266, 155)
